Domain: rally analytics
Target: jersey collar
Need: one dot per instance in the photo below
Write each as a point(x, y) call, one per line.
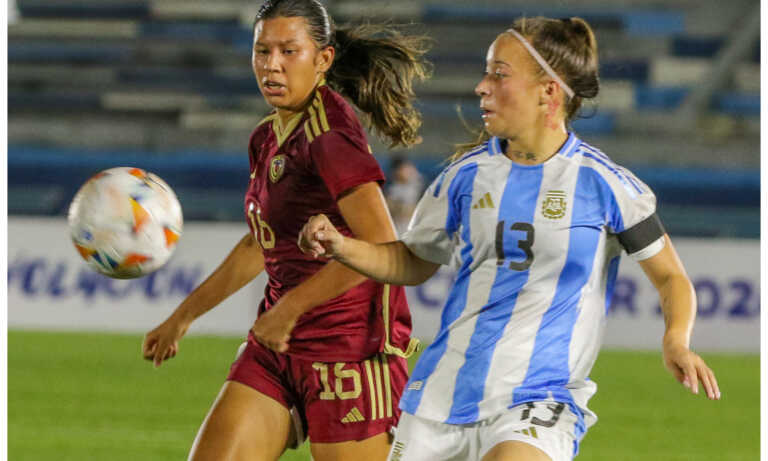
point(494, 146)
point(282, 132)
point(570, 145)
point(568, 148)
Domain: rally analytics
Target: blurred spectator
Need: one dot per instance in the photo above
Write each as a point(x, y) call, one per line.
point(13, 12)
point(403, 191)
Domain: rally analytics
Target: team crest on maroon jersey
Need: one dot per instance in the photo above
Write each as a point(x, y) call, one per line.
point(277, 168)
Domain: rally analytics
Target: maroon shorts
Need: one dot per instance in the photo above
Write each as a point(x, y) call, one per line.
point(337, 402)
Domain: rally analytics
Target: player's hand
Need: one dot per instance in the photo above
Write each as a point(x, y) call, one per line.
point(319, 237)
point(162, 343)
point(273, 328)
point(689, 369)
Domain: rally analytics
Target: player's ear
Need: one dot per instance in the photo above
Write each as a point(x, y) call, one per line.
point(549, 90)
point(324, 58)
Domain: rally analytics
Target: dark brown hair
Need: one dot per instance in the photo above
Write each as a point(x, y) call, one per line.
point(569, 47)
point(375, 67)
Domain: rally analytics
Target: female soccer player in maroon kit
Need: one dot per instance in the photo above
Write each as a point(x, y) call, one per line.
point(327, 353)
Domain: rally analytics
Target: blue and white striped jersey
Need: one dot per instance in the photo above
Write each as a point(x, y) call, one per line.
point(536, 250)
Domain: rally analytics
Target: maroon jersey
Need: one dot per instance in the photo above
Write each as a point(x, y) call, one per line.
point(300, 170)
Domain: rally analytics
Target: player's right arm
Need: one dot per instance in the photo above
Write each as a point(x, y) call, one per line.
point(242, 265)
point(390, 262)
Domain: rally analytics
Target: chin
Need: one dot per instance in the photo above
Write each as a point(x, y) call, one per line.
point(489, 128)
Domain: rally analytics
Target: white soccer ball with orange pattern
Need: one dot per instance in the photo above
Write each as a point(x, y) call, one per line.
point(125, 222)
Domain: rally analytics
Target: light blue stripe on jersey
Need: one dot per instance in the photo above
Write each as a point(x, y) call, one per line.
point(476, 151)
point(494, 146)
point(518, 204)
point(570, 146)
point(548, 369)
point(459, 192)
point(615, 220)
point(633, 191)
point(594, 150)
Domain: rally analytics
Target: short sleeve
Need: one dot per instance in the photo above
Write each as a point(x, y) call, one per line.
point(431, 234)
point(343, 162)
point(633, 216)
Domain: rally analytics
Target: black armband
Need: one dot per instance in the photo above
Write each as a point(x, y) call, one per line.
point(642, 234)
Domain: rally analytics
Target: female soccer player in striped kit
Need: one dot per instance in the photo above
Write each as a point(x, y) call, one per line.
point(327, 342)
point(535, 220)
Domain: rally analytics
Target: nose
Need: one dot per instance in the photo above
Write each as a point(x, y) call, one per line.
point(481, 89)
point(272, 61)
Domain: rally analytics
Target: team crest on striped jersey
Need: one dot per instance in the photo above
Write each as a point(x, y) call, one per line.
point(276, 168)
point(554, 205)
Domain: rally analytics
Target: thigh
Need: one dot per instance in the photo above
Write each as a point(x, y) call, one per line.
point(250, 418)
point(351, 402)
point(243, 424)
point(374, 448)
point(515, 451)
point(418, 439)
point(534, 430)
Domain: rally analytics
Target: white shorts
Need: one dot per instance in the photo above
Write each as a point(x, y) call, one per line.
point(548, 426)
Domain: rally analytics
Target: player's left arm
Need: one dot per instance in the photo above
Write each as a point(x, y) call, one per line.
point(678, 303)
point(365, 212)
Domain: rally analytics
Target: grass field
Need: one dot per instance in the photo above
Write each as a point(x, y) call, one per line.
point(78, 396)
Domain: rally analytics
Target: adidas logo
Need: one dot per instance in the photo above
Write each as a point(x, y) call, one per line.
point(485, 202)
point(354, 416)
point(530, 432)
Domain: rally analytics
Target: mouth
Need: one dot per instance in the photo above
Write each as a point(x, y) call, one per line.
point(485, 112)
point(272, 88)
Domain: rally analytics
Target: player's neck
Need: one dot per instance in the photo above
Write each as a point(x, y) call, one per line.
point(536, 146)
point(285, 114)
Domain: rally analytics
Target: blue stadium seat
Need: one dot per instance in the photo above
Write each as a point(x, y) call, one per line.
point(738, 104)
point(69, 52)
point(659, 98)
point(600, 123)
point(58, 100)
point(226, 32)
point(80, 9)
point(634, 22)
point(625, 69)
point(705, 47)
point(199, 80)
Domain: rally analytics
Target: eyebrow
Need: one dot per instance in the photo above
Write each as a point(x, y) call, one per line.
point(284, 42)
point(501, 62)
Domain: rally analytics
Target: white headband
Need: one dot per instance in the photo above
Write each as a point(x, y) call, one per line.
point(542, 62)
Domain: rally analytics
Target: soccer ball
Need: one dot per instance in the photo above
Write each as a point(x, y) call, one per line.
point(125, 222)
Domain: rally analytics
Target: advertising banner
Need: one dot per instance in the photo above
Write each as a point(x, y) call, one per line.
point(50, 287)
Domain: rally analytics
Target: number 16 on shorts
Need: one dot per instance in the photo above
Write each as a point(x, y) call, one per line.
point(369, 382)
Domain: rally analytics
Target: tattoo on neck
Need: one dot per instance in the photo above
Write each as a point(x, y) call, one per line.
point(530, 156)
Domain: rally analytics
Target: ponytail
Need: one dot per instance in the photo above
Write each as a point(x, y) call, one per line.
point(375, 67)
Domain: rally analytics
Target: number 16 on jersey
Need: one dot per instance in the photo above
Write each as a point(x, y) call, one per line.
point(261, 230)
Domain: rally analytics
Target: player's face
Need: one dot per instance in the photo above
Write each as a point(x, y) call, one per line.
point(287, 63)
point(509, 90)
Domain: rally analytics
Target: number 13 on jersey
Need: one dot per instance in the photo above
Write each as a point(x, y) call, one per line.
point(525, 244)
point(261, 230)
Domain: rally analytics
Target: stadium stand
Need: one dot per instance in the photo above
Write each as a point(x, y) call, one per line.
point(167, 84)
